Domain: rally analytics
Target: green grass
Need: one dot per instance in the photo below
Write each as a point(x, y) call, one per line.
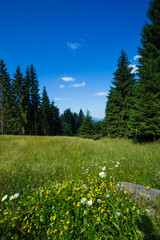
point(47, 171)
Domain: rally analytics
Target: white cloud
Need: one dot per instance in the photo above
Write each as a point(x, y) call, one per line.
point(78, 84)
point(100, 94)
point(62, 99)
point(73, 46)
point(137, 57)
point(68, 79)
point(61, 86)
point(135, 68)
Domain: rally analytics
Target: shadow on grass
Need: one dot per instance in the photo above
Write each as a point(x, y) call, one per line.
point(146, 227)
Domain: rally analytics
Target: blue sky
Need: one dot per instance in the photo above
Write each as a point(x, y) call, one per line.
point(73, 44)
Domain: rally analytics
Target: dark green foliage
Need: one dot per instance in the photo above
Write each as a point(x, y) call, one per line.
point(5, 100)
point(71, 122)
point(120, 100)
point(56, 128)
point(146, 116)
point(27, 101)
point(19, 104)
point(87, 127)
point(45, 110)
point(35, 101)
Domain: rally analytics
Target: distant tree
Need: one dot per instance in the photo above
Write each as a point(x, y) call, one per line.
point(35, 101)
point(19, 105)
point(27, 101)
point(80, 118)
point(146, 116)
point(67, 122)
point(120, 100)
point(87, 127)
point(56, 128)
point(45, 110)
point(5, 100)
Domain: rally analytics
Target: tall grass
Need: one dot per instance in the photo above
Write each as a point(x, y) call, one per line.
point(46, 171)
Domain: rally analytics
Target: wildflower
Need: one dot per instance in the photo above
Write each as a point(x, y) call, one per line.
point(104, 168)
point(4, 198)
point(107, 195)
point(125, 217)
point(14, 196)
point(84, 200)
point(90, 202)
point(99, 200)
point(118, 214)
point(147, 187)
point(85, 212)
point(102, 174)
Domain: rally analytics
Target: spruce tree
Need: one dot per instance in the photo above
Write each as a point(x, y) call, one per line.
point(146, 116)
point(5, 100)
point(19, 106)
point(120, 100)
point(27, 101)
point(45, 110)
point(55, 120)
point(87, 127)
point(35, 101)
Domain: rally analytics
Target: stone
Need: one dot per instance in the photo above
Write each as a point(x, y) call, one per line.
point(140, 191)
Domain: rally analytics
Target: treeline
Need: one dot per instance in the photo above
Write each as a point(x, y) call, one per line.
point(132, 109)
point(24, 111)
point(133, 106)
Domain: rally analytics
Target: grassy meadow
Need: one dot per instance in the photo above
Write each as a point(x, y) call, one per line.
point(65, 188)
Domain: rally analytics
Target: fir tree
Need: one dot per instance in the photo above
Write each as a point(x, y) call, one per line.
point(5, 100)
point(120, 100)
point(35, 101)
point(27, 101)
point(19, 106)
point(87, 127)
point(56, 122)
point(45, 110)
point(146, 116)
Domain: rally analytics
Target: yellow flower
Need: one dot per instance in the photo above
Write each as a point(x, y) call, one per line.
point(147, 187)
point(125, 217)
point(61, 233)
point(67, 212)
point(127, 210)
point(78, 204)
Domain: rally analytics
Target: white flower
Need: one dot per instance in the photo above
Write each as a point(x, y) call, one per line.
point(99, 200)
point(104, 168)
point(107, 195)
point(102, 174)
point(90, 202)
point(14, 196)
point(118, 214)
point(116, 165)
point(84, 200)
point(4, 198)
point(85, 187)
point(85, 212)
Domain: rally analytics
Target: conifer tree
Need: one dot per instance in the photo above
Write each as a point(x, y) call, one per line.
point(120, 100)
point(87, 127)
point(27, 101)
point(55, 120)
point(5, 100)
point(35, 101)
point(146, 116)
point(45, 110)
point(19, 106)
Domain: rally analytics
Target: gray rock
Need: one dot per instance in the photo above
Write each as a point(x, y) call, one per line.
point(140, 191)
